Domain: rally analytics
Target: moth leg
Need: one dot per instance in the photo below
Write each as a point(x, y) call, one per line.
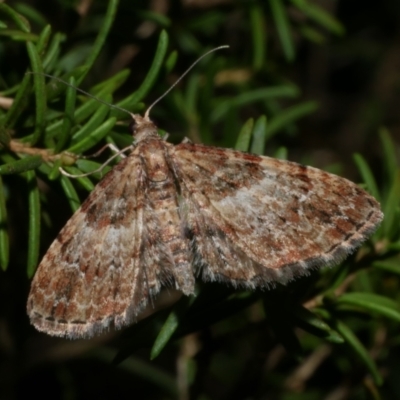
point(119, 153)
point(112, 147)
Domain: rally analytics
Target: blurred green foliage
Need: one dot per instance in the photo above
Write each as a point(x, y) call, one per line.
point(309, 80)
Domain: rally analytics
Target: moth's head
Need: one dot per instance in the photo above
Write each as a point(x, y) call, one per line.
point(142, 127)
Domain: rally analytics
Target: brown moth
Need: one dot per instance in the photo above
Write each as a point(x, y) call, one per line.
point(167, 214)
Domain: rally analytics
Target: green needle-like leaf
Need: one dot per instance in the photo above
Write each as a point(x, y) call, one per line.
point(34, 223)
point(360, 350)
point(151, 76)
point(282, 25)
point(371, 302)
point(94, 137)
point(244, 138)
point(26, 164)
point(259, 136)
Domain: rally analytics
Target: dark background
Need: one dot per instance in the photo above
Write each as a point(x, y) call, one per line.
point(348, 78)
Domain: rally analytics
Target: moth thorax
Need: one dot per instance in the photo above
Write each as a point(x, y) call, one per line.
point(142, 128)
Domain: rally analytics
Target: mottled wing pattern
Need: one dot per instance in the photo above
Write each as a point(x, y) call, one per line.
point(166, 212)
point(104, 241)
point(257, 220)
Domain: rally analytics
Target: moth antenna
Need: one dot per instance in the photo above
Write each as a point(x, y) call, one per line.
point(146, 115)
point(82, 91)
point(110, 146)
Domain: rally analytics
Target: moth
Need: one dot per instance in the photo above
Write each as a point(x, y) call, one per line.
point(167, 215)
